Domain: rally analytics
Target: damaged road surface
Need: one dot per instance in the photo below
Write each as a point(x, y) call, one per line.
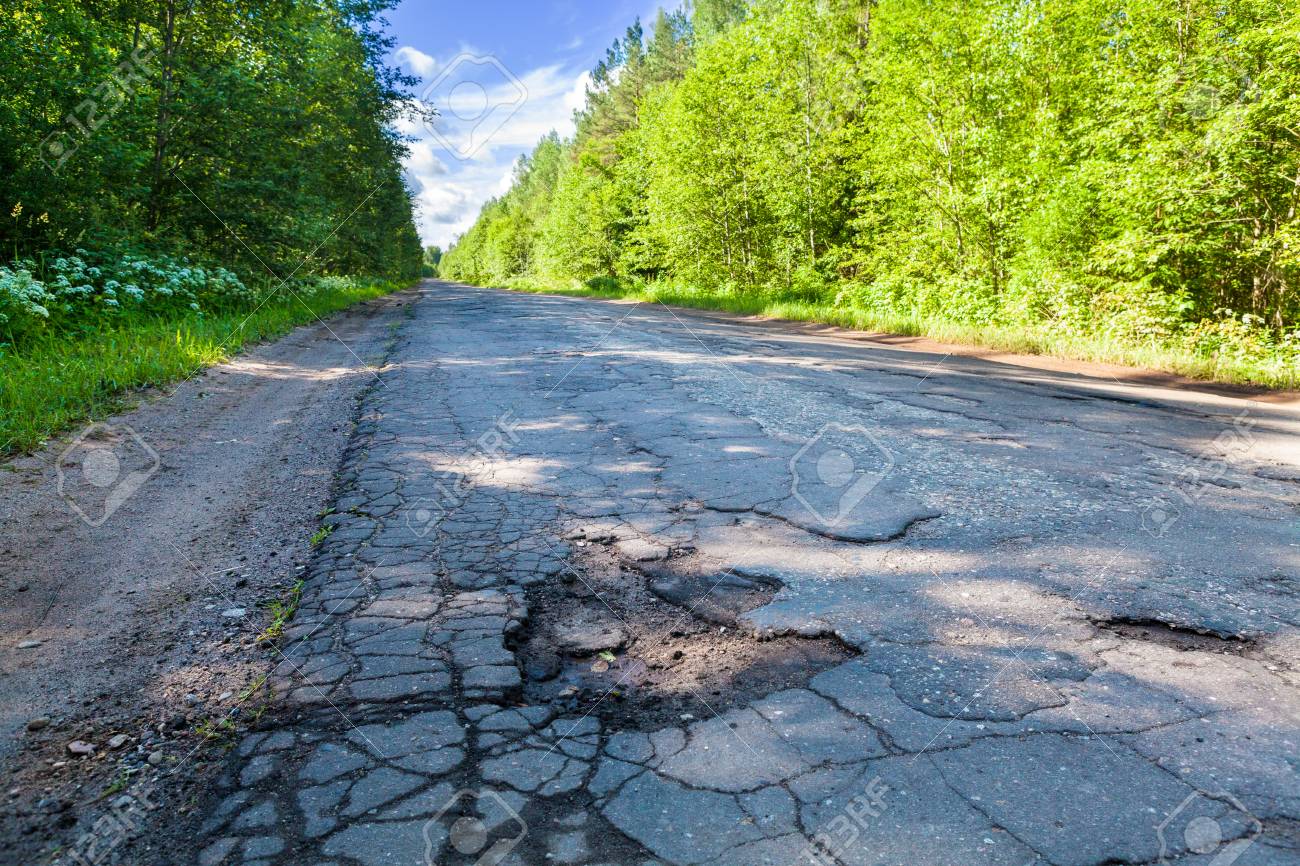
point(610, 584)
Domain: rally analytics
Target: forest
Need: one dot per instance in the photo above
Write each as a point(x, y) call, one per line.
point(1105, 180)
point(179, 176)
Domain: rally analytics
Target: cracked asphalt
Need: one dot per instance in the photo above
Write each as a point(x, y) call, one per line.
point(1063, 610)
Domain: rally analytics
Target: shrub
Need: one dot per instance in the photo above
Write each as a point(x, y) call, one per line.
point(75, 291)
point(24, 302)
point(604, 284)
point(328, 283)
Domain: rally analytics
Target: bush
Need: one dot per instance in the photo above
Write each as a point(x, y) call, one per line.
point(78, 291)
point(24, 302)
point(604, 284)
point(164, 285)
point(326, 284)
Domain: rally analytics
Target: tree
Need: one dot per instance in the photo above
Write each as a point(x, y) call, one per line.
point(257, 134)
point(1062, 166)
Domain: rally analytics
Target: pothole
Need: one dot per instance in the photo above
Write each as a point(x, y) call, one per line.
point(1176, 636)
point(645, 650)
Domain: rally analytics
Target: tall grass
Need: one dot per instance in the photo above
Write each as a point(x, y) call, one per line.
point(1275, 371)
point(52, 382)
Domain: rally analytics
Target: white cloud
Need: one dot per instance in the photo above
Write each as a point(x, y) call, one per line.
point(424, 162)
point(577, 97)
point(449, 190)
point(415, 60)
point(507, 180)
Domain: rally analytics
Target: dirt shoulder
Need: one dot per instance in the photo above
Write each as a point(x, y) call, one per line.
point(130, 634)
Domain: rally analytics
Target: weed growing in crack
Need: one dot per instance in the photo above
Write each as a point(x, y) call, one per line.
point(224, 730)
point(281, 611)
point(116, 786)
point(219, 732)
point(256, 686)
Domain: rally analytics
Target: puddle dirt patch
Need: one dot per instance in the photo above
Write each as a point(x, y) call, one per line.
point(715, 597)
point(1177, 635)
point(644, 649)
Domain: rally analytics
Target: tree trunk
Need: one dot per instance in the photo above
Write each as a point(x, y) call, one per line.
point(163, 118)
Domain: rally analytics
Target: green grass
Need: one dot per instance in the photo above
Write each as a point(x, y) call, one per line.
point(1278, 372)
point(281, 611)
point(49, 384)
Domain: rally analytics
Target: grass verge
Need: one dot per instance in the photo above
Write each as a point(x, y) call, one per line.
point(49, 384)
point(1276, 373)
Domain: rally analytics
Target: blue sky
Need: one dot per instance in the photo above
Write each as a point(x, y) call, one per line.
point(502, 74)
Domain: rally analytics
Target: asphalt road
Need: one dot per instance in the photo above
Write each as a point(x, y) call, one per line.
point(1034, 617)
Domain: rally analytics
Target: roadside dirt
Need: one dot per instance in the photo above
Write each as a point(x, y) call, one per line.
point(136, 637)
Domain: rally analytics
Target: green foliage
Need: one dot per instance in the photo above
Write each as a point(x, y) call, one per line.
point(254, 134)
point(281, 611)
point(141, 143)
point(711, 17)
point(73, 296)
point(24, 302)
point(578, 209)
point(1119, 181)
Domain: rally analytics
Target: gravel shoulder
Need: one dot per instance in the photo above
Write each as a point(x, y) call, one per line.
point(132, 627)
